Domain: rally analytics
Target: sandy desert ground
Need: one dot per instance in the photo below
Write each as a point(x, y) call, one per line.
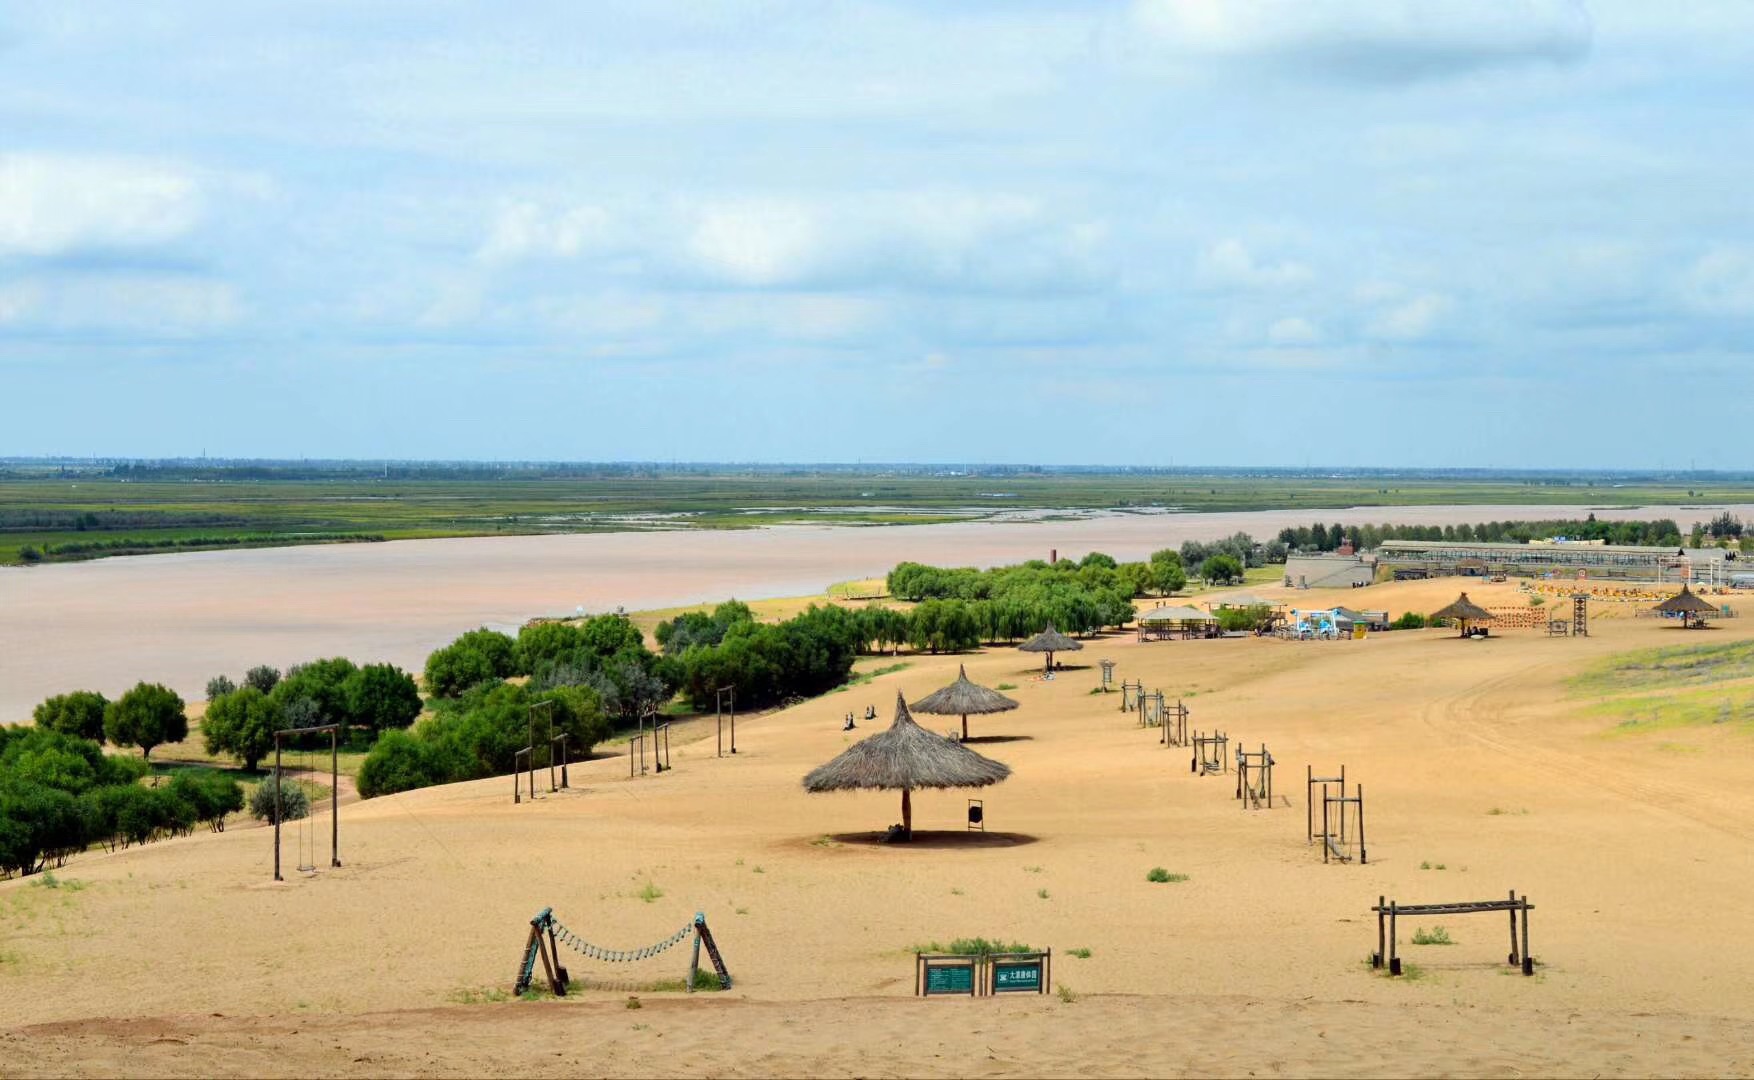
point(1484, 771)
point(179, 619)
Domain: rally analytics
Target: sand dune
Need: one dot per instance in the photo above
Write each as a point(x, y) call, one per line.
point(1483, 773)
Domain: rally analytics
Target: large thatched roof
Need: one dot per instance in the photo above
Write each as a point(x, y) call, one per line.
point(964, 698)
point(1050, 640)
point(906, 757)
point(1463, 609)
point(1176, 613)
point(1686, 602)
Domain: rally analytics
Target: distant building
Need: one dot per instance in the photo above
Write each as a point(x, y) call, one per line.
point(1422, 558)
point(1329, 571)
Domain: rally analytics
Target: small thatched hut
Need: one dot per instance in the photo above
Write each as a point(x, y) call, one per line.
point(906, 756)
point(963, 697)
point(1050, 641)
point(1465, 612)
point(1693, 609)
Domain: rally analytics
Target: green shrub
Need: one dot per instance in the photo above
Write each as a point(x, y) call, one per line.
point(149, 715)
point(1161, 876)
point(294, 803)
point(1408, 620)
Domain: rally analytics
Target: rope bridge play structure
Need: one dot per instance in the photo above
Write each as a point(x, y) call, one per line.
point(1388, 911)
point(1209, 754)
point(547, 934)
point(1254, 778)
point(1342, 817)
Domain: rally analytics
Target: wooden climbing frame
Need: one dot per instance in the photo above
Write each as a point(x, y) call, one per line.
point(1388, 912)
point(1175, 723)
point(1209, 754)
point(1254, 778)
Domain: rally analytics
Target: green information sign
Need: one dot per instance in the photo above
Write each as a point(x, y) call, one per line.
point(950, 979)
point(1017, 977)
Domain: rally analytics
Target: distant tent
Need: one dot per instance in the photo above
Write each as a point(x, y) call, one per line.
point(1050, 641)
point(1463, 611)
point(1691, 608)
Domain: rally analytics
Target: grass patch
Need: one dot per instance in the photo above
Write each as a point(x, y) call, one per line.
point(1704, 707)
point(1067, 994)
point(1041, 894)
point(1082, 954)
point(864, 677)
point(48, 880)
point(825, 840)
point(1160, 876)
point(649, 892)
point(487, 995)
point(1674, 666)
point(972, 946)
point(703, 980)
point(1437, 935)
point(1499, 811)
point(1006, 686)
point(1432, 866)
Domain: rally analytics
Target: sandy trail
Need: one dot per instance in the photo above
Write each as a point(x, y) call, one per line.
point(181, 618)
point(1483, 772)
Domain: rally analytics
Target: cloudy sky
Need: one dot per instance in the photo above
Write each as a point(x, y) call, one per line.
point(1456, 232)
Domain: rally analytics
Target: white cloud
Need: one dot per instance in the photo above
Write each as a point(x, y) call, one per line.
point(1410, 319)
point(1293, 331)
point(54, 204)
point(1721, 282)
point(1374, 40)
point(144, 303)
point(1229, 262)
point(922, 239)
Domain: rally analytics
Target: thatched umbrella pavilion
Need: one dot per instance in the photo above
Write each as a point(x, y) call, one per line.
point(1689, 606)
point(1464, 611)
point(963, 697)
point(1050, 641)
point(906, 756)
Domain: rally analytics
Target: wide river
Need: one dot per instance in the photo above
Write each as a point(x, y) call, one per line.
point(179, 619)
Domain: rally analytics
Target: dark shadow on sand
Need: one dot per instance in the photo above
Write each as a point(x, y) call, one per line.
point(940, 839)
point(999, 738)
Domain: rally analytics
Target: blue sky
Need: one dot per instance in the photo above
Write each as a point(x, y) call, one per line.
point(1170, 231)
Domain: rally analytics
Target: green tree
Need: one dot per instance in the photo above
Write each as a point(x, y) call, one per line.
point(149, 715)
point(1168, 574)
point(546, 641)
point(381, 696)
point(323, 683)
point(457, 668)
point(242, 724)
point(262, 677)
point(80, 713)
point(1221, 569)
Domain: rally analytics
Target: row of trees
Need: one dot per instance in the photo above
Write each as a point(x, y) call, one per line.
point(149, 715)
point(61, 793)
point(479, 733)
point(241, 720)
point(1660, 532)
point(768, 663)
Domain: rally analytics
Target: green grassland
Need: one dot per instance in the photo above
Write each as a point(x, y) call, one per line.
point(1683, 686)
point(97, 514)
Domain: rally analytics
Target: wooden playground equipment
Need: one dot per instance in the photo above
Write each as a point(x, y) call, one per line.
point(1254, 778)
point(547, 934)
point(524, 760)
point(1209, 754)
point(1388, 911)
point(1342, 817)
point(1174, 722)
point(1130, 694)
point(721, 696)
point(306, 831)
point(1108, 674)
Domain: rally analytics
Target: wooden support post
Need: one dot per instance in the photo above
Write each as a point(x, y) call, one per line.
point(1513, 949)
point(1394, 960)
point(1363, 856)
point(1376, 961)
point(1528, 958)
